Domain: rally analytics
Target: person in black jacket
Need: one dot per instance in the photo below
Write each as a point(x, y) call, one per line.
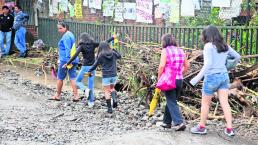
point(6, 24)
point(87, 48)
point(107, 58)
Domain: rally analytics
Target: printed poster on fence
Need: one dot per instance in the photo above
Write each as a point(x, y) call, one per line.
point(55, 7)
point(187, 8)
point(221, 3)
point(156, 2)
point(196, 5)
point(71, 10)
point(91, 3)
point(50, 5)
point(85, 3)
point(233, 11)
point(108, 8)
point(164, 6)
point(158, 13)
point(78, 9)
point(130, 11)
point(174, 15)
point(119, 10)
point(98, 4)
point(144, 11)
point(63, 6)
point(163, 10)
point(165, 1)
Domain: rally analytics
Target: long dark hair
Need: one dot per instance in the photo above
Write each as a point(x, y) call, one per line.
point(85, 38)
point(104, 49)
point(168, 40)
point(212, 34)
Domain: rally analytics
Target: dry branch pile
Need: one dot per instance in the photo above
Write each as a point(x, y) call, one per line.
point(138, 69)
point(139, 65)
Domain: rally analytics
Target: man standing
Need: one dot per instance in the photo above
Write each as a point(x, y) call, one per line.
point(6, 24)
point(19, 21)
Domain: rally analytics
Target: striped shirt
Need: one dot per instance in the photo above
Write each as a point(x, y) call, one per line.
point(175, 57)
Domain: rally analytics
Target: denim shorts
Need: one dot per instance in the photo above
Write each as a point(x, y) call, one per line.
point(109, 81)
point(62, 72)
point(214, 82)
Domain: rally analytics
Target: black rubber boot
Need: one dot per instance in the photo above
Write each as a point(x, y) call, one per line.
point(109, 106)
point(114, 97)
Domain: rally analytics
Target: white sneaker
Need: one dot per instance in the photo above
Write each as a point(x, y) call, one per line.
point(87, 93)
point(90, 104)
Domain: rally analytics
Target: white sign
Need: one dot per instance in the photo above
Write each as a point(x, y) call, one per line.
point(187, 8)
point(98, 4)
point(174, 14)
point(158, 13)
point(220, 3)
point(130, 11)
point(51, 14)
point(144, 11)
point(85, 3)
point(91, 3)
point(119, 10)
point(197, 4)
point(63, 5)
point(108, 8)
point(233, 11)
point(156, 2)
point(55, 6)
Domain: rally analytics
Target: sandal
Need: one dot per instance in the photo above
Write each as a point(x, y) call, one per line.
point(181, 127)
point(54, 99)
point(76, 100)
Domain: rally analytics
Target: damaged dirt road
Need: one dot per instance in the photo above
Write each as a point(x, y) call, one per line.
point(28, 118)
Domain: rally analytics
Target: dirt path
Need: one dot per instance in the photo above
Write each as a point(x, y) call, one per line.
point(26, 117)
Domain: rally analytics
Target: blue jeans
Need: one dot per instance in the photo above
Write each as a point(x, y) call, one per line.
point(80, 84)
point(172, 112)
point(7, 36)
point(20, 40)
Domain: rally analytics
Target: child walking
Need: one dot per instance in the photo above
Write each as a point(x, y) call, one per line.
point(107, 58)
point(216, 77)
point(87, 47)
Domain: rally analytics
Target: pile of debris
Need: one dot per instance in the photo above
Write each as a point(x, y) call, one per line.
point(36, 50)
point(138, 69)
point(51, 58)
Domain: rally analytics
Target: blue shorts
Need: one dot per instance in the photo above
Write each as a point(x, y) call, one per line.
point(109, 81)
point(62, 72)
point(214, 82)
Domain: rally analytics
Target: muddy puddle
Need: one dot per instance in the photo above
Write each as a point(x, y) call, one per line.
point(29, 74)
